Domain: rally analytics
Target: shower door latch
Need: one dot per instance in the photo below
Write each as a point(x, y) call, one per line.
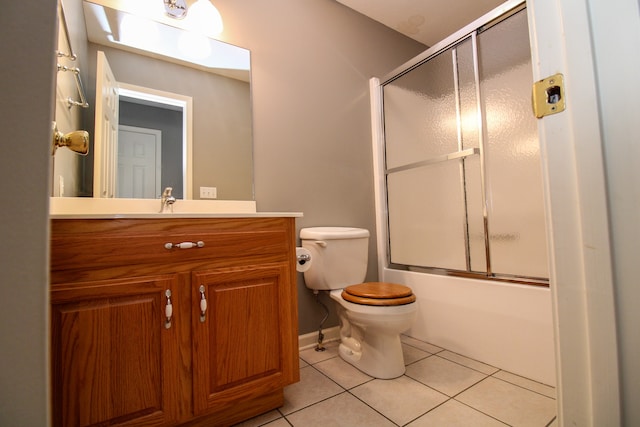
point(548, 96)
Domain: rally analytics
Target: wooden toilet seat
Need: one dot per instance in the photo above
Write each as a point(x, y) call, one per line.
point(378, 293)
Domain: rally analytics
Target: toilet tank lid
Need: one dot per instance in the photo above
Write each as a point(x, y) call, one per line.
point(333, 233)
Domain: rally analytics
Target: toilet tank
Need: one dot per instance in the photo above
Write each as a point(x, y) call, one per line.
point(339, 256)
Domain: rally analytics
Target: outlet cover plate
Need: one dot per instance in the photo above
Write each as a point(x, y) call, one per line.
point(208, 192)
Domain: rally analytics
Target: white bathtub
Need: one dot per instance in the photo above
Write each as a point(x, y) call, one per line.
point(505, 325)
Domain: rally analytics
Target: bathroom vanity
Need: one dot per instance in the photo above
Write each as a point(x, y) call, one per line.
point(169, 320)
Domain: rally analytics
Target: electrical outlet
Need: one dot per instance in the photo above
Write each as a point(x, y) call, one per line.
point(208, 192)
point(61, 185)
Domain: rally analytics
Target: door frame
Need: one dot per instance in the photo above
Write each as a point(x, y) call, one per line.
point(172, 101)
point(586, 41)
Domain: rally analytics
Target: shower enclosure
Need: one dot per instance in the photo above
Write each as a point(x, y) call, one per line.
point(459, 200)
point(462, 167)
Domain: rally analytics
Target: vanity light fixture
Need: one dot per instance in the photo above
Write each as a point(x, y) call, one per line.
point(144, 25)
point(175, 8)
point(203, 17)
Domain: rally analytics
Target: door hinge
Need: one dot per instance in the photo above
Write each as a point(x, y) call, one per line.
point(548, 96)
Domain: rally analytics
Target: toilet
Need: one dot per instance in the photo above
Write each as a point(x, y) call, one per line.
point(373, 314)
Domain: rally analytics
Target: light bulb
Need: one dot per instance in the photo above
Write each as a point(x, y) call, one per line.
point(204, 18)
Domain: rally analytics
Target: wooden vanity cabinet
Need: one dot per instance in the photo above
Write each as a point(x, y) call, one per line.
point(225, 354)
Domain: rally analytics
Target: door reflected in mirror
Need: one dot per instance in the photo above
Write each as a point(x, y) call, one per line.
point(154, 143)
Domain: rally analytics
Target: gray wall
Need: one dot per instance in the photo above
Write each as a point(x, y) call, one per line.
point(27, 87)
point(311, 62)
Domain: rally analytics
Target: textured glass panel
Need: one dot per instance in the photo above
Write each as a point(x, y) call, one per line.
point(426, 217)
point(467, 91)
point(475, 216)
point(514, 184)
point(420, 113)
point(469, 129)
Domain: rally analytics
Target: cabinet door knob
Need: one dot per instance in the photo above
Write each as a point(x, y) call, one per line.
point(203, 304)
point(168, 309)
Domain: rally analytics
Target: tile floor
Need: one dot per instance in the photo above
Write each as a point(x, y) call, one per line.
point(439, 388)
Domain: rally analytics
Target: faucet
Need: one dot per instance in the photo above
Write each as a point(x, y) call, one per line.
point(167, 199)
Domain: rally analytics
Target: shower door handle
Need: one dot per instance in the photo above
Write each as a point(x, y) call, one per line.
point(443, 158)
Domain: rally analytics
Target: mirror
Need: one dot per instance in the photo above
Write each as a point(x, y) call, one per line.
point(205, 130)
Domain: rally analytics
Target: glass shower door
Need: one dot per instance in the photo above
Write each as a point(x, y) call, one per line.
point(426, 201)
point(463, 176)
point(516, 225)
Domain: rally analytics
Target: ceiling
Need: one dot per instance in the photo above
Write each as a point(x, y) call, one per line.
point(427, 21)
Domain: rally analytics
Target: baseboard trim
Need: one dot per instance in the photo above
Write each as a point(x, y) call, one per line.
point(311, 339)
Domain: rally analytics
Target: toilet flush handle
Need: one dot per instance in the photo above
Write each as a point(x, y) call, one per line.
point(320, 243)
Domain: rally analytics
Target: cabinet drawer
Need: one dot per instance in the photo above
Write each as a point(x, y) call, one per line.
point(137, 242)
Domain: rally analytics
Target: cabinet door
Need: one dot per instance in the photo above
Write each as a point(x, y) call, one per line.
point(113, 356)
point(238, 341)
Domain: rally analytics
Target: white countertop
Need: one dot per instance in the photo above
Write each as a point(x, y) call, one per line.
point(176, 215)
point(90, 208)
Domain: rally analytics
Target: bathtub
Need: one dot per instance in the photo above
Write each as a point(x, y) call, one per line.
point(506, 325)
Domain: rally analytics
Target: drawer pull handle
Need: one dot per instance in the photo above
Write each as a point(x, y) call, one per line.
point(185, 245)
point(203, 304)
point(168, 309)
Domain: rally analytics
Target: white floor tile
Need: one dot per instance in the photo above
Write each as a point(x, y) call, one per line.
point(401, 399)
point(447, 377)
point(312, 356)
point(263, 419)
point(345, 374)
point(412, 354)
point(420, 344)
point(526, 383)
point(510, 403)
point(469, 363)
point(278, 423)
point(455, 414)
point(312, 388)
point(342, 410)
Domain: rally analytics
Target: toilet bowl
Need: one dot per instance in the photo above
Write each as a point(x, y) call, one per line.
point(373, 314)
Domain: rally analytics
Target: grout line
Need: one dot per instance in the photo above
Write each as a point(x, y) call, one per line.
point(314, 403)
point(374, 409)
point(521, 386)
point(419, 360)
point(432, 409)
point(465, 366)
point(472, 385)
point(418, 348)
point(478, 410)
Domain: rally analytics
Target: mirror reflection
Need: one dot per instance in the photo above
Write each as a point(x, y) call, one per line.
point(192, 121)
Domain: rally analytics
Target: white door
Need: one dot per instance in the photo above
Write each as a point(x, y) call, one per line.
point(106, 132)
point(139, 162)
